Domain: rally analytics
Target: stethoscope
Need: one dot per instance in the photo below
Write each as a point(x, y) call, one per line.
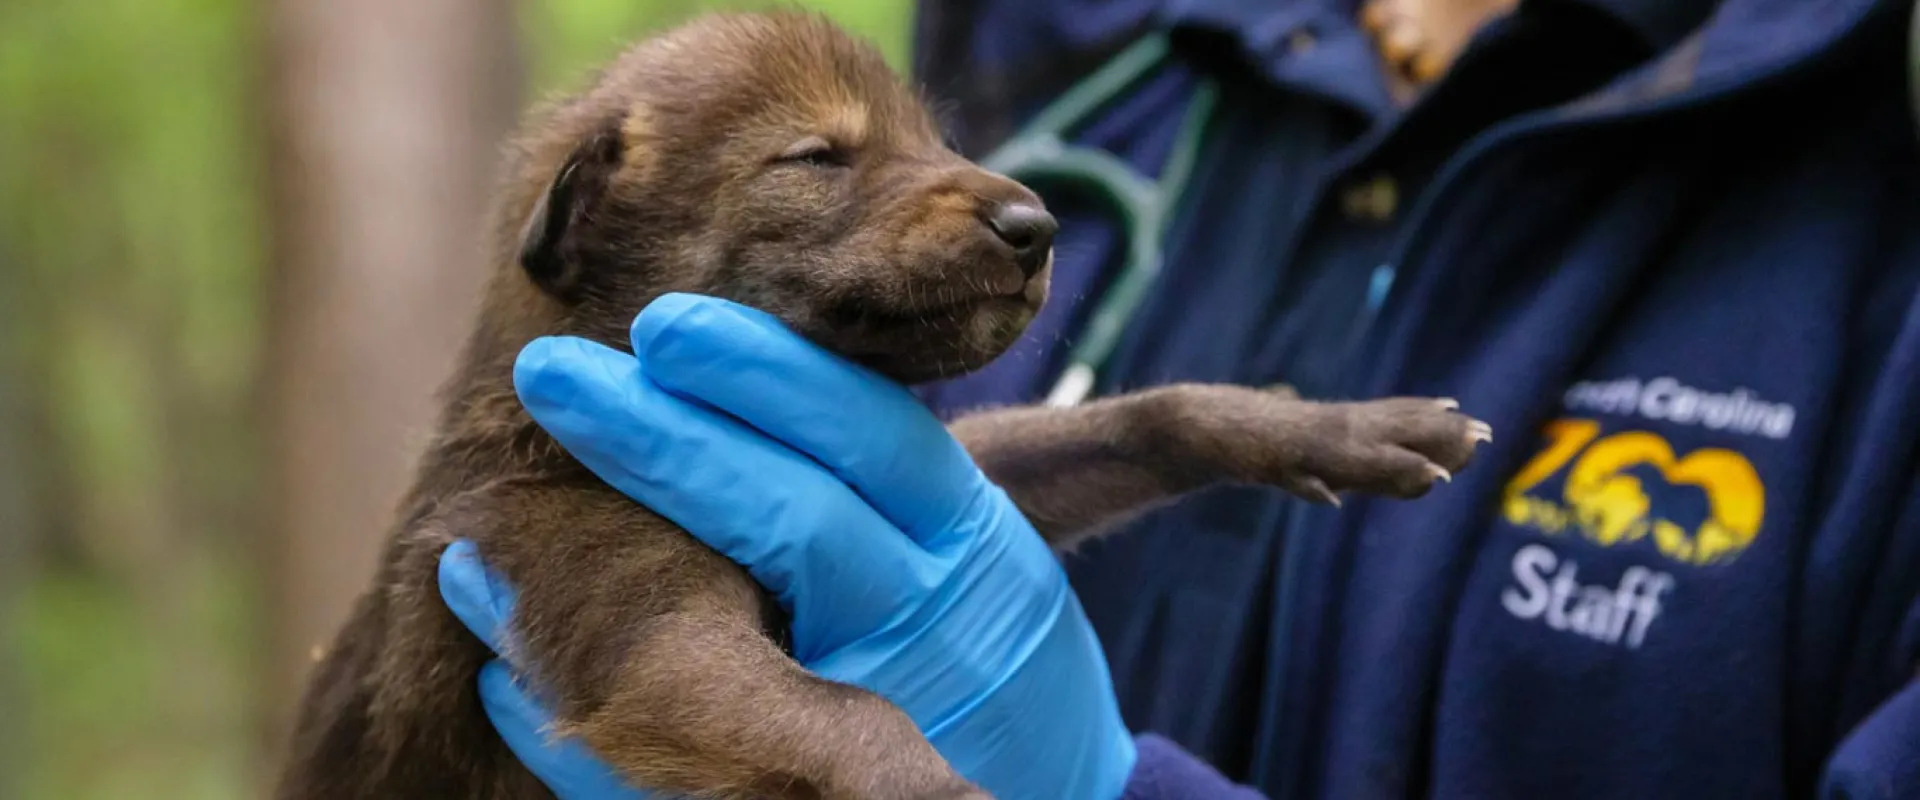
point(1040, 154)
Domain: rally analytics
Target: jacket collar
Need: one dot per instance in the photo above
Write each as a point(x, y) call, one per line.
point(1703, 46)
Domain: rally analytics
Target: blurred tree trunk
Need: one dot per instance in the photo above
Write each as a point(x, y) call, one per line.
point(384, 121)
point(19, 519)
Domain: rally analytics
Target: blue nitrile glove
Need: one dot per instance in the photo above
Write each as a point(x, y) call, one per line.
point(905, 570)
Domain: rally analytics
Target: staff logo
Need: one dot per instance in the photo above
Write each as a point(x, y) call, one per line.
point(1701, 508)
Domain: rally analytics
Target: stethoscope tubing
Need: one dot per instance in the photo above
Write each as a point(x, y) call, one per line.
point(1040, 154)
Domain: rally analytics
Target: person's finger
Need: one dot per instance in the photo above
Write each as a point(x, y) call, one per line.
point(481, 599)
point(827, 556)
point(567, 766)
point(869, 430)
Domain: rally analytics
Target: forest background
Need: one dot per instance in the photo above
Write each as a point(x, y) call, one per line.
point(238, 246)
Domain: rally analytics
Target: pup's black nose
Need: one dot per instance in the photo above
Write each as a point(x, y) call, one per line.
point(1029, 229)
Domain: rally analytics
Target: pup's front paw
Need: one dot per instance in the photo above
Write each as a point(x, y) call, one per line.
point(1397, 447)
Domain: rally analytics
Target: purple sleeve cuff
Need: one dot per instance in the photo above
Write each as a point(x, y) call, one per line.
point(1879, 760)
point(1163, 771)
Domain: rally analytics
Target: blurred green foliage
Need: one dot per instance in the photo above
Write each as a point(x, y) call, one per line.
point(567, 36)
point(132, 259)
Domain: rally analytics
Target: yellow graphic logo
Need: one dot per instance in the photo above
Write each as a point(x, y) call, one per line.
point(1607, 494)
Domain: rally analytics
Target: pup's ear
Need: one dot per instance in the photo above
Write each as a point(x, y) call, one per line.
point(550, 241)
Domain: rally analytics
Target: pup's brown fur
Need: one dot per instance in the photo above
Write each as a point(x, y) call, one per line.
point(773, 160)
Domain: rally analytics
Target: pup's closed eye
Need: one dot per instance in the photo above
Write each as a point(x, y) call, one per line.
point(813, 151)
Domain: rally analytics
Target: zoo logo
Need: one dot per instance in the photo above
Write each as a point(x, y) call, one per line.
point(1610, 507)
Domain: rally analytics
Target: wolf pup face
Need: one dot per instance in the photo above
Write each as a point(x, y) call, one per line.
point(779, 162)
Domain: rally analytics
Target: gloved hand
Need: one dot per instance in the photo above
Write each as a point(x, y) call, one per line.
point(905, 570)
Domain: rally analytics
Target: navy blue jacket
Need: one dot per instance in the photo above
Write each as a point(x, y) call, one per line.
point(1668, 248)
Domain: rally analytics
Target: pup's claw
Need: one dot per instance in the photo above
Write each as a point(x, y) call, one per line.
point(1313, 489)
point(1397, 447)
